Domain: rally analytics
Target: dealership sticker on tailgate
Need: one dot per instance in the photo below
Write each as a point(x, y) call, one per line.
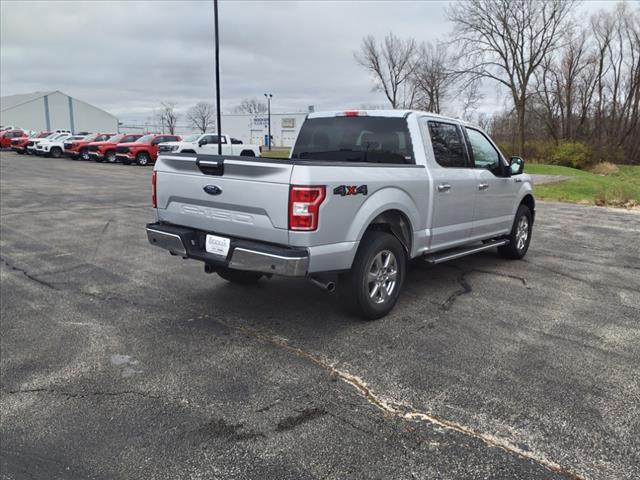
point(217, 245)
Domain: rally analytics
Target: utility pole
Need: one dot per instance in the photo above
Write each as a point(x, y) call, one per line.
point(218, 121)
point(269, 97)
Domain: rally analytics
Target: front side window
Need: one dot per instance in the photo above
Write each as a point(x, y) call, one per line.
point(484, 153)
point(209, 139)
point(447, 144)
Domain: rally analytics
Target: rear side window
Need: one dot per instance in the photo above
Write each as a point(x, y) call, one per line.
point(447, 143)
point(355, 139)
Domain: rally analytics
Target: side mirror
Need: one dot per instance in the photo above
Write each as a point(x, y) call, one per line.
point(516, 166)
point(202, 142)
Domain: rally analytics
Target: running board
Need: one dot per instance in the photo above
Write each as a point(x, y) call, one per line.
point(440, 257)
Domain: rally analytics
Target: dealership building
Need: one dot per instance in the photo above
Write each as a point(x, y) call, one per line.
point(254, 128)
point(40, 111)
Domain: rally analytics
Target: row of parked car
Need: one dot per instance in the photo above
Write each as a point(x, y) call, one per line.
point(127, 148)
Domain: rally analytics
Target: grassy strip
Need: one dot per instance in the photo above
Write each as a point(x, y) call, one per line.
point(275, 153)
point(620, 189)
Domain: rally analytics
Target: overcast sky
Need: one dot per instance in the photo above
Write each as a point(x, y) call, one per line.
point(127, 56)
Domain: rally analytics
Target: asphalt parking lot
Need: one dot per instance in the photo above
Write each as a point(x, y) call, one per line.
point(119, 361)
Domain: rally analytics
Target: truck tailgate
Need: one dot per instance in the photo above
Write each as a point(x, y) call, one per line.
point(244, 197)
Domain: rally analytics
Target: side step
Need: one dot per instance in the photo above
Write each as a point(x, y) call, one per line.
point(445, 256)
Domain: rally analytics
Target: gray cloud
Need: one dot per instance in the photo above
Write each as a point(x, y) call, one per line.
point(127, 56)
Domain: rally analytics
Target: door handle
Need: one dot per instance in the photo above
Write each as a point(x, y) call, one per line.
point(483, 186)
point(517, 180)
point(444, 187)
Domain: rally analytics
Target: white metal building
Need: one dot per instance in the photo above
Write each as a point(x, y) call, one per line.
point(40, 111)
point(254, 129)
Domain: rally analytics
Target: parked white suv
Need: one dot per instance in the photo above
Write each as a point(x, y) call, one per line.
point(55, 146)
point(207, 143)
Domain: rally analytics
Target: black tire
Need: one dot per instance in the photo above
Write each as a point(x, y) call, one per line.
point(110, 156)
point(358, 291)
point(517, 246)
point(56, 152)
point(84, 154)
point(19, 152)
point(143, 159)
point(239, 276)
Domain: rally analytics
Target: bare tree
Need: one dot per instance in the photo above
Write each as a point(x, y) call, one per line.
point(252, 106)
point(391, 63)
point(167, 117)
point(433, 76)
point(201, 116)
point(507, 41)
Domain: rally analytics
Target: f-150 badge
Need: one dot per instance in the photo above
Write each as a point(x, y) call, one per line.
point(344, 190)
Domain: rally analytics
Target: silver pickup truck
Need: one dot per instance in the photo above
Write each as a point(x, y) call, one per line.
point(362, 193)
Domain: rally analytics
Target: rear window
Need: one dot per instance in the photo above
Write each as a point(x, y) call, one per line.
point(355, 139)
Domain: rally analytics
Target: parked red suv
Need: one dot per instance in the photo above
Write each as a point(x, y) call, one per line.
point(106, 150)
point(144, 150)
point(19, 145)
point(6, 137)
point(80, 148)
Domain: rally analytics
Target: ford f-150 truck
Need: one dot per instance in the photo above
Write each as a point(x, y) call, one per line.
point(362, 193)
point(144, 150)
point(106, 150)
point(208, 143)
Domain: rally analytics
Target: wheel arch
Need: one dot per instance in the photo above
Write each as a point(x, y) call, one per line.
point(530, 202)
point(396, 223)
point(247, 153)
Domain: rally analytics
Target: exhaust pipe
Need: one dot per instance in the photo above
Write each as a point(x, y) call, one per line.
point(327, 285)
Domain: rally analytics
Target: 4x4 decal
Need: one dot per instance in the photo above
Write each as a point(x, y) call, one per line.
point(343, 190)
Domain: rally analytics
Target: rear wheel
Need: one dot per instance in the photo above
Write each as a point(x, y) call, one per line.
point(239, 276)
point(372, 287)
point(110, 156)
point(247, 153)
point(520, 235)
point(84, 154)
point(142, 159)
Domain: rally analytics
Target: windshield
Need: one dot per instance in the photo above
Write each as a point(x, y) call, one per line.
point(116, 138)
point(90, 138)
point(355, 139)
point(191, 138)
point(145, 139)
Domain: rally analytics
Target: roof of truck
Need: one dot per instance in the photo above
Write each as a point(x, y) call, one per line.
point(382, 113)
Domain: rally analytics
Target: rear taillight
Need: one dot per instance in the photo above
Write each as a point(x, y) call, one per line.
point(154, 202)
point(304, 207)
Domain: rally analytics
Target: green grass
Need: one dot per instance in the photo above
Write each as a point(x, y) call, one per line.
point(275, 153)
point(620, 189)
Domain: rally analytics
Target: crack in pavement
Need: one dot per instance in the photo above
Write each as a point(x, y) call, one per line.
point(27, 274)
point(466, 288)
point(398, 410)
point(80, 395)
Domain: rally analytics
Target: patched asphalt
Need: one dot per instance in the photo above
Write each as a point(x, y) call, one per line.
point(119, 361)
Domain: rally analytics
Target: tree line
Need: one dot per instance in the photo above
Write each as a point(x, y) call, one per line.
point(567, 81)
point(202, 116)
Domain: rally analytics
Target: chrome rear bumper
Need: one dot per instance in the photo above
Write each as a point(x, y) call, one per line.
point(243, 254)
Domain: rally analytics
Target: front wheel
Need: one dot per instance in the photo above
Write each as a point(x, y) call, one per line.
point(372, 287)
point(110, 156)
point(142, 159)
point(84, 154)
point(520, 235)
point(56, 152)
point(239, 276)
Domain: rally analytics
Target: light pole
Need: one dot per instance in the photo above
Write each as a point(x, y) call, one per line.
point(269, 96)
point(217, 53)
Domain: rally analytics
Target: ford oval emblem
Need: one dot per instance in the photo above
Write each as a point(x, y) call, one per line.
point(213, 190)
